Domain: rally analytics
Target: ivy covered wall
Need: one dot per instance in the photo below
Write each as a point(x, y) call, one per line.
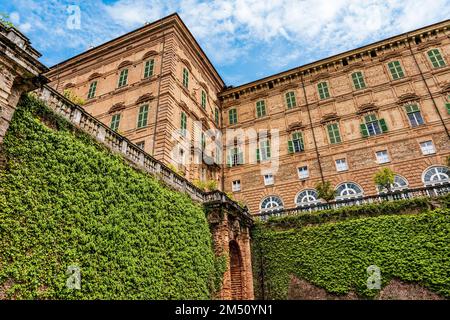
point(67, 201)
point(333, 250)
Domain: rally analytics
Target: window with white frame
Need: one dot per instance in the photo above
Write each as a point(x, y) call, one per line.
point(303, 172)
point(436, 175)
point(271, 203)
point(306, 197)
point(400, 183)
point(341, 165)
point(236, 186)
point(427, 147)
point(382, 156)
point(348, 190)
point(268, 179)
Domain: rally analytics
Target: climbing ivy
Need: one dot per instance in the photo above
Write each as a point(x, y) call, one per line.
point(335, 256)
point(67, 201)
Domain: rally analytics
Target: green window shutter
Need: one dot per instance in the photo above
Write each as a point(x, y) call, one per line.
point(148, 70)
point(92, 89)
point(143, 116)
point(364, 131)
point(412, 108)
point(115, 121)
point(290, 100)
point(232, 116)
point(268, 153)
point(447, 105)
point(436, 58)
point(383, 125)
point(290, 146)
point(333, 133)
point(258, 155)
point(323, 90)
point(185, 78)
point(203, 99)
point(123, 78)
point(216, 116)
point(358, 80)
point(183, 123)
point(396, 70)
point(260, 109)
point(241, 157)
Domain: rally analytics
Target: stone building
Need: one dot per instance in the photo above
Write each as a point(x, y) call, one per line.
point(339, 119)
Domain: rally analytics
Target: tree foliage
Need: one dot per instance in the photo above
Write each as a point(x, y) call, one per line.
point(73, 97)
point(66, 200)
point(325, 191)
point(384, 178)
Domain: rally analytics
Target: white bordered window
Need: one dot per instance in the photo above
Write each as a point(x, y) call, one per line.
point(268, 179)
point(271, 203)
point(236, 186)
point(341, 165)
point(303, 172)
point(427, 147)
point(382, 156)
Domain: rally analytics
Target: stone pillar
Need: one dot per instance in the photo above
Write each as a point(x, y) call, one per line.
point(19, 72)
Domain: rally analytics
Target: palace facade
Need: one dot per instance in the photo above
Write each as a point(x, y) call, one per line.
point(269, 142)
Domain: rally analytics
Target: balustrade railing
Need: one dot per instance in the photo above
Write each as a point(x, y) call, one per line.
point(429, 191)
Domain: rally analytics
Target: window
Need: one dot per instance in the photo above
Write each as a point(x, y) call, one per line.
point(185, 78)
point(203, 141)
point(236, 186)
point(92, 90)
point(396, 70)
point(303, 172)
point(148, 69)
point(142, 116)
point(414, 115)
point(183, 124)
point(260, 108)
point(115, 122)
point(218, 155)
point(333, 133)
point(358, 80)
point(140, 144)
point(436, 58)
point(436, 175)
point(400, 183)
point(296, 144)
point(263, 152)
point(348, 190)
point(373, 126)
point(306, 197)
point(341, 165)
point(382, 156)
point(123, 78)
point(203, 99)
point(427, 147)
point(235, 157)
point(268, 179)
point(290, 100)
point(271, 203)
point(447, 105)
point(217, 116)
point(324, 93)
point(232, 116)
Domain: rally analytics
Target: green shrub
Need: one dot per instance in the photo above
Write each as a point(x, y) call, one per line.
point(335, 256)
point(66, 200)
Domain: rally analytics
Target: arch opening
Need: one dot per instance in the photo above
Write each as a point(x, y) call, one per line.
point(236, 271)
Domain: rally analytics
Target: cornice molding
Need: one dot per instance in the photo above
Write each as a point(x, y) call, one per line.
point(407, 97)
point(366, 108)
point(330, 117)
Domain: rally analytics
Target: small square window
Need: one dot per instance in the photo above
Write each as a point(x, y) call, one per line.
point(268, 179)
point(427, 147)
point(141, 144)
point(382, 156)
point(236, 186)
point(341, 165)
point(303, 172)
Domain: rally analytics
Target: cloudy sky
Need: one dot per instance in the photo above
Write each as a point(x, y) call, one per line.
point(245, 39)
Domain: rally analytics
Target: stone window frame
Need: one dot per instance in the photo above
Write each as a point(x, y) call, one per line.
point(303, 177)
point(322, 87)
point(123, 77)
point(92, 89)
point(236, 185)
point(408, 108)
point(327, 129)
point(336, 164)
point(386, 151)
point(115, 121)
point(142, 118)
point(149, 72)
point(261, 108)
point(290, 97)
point(381, 124)
point(296, 136)
point(185, 78)
point(235, 116)
point(427, 153)
point(390, 69)
point(358, 80)
point(183, 124)
point(430, 60)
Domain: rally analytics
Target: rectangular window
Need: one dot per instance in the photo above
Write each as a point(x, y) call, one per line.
point(148, 70)
point(447, 106)
point(333, 133)
point(427, 147)
point(235, 157)
point(92, 89)
point(290, 100)
point(203, 99)
point(296, 144)
point(303, 173)
point(268, 179)
point(341, 165)
point(218, 155)
point(183, 124)
point(414, 115)
point(260, 109)
point(382, 156)
point(185, 78)
point(236, 186)
point(373, 126)
point(203, 141)
point(140, 145)
point(217, 116)
point(123, 78)
point(436, 58)
point(232, 116)
point(263, 152)
point(142, 116)
point(324, 93)
point(358, 80)
point(396, 70)
point(115, 122)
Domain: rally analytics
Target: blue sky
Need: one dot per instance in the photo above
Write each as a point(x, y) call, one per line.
point(245, 39)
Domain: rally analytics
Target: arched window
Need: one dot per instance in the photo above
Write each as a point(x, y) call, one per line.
point(400, 183)
point(436, 175)
point(348, 190)
point(306, 197)
point(271, 203)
